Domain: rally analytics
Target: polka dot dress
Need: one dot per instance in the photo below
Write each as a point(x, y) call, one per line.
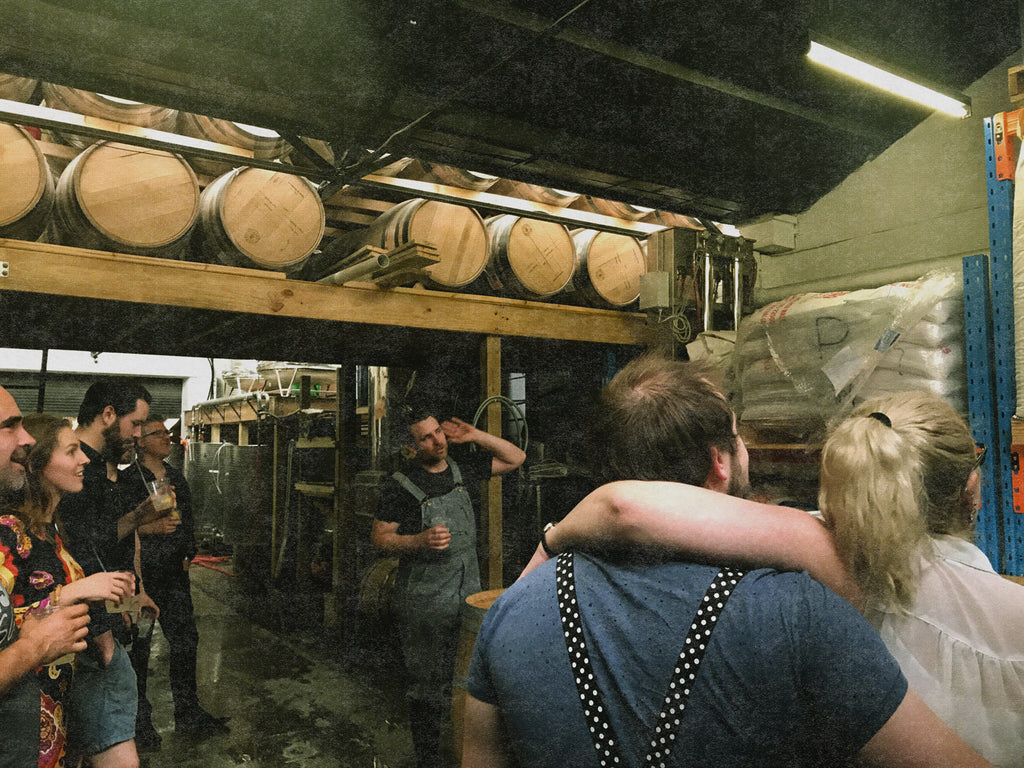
point(682, 677)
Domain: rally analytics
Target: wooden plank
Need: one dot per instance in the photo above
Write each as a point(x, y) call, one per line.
point(77, 272)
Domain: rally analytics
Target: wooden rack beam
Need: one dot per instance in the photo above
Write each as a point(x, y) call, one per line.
point(59, 270)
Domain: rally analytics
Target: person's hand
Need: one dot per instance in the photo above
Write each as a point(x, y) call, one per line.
point(438, 537)
point(105, 646)
point(163, 526)
point(457, 431)
point(540, 556)
point(106, 585)
point(56, 634)
point(146, 513)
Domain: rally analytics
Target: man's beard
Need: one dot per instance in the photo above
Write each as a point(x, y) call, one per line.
point(115, 448)
point(12, 480)
point(738, 486)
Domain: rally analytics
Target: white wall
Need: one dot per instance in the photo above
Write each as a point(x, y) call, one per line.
point(194, 371)
point(918, 205)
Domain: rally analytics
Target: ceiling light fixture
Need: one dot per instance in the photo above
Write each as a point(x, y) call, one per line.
point(826, 55)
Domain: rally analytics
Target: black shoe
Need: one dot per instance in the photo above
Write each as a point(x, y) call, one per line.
point(146, 738)
point(202, 725)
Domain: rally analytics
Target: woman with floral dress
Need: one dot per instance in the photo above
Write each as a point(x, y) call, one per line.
point(38, 571)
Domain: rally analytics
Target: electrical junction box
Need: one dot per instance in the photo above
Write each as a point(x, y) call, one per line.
point(655, 291)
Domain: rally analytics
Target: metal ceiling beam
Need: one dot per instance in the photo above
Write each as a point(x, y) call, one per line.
point(536, 23)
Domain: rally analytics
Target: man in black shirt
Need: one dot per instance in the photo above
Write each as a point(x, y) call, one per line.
point(427, 519)
point(100, 532)
point(167, 548)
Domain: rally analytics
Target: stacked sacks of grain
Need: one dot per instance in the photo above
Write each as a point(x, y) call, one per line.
point(800, 361)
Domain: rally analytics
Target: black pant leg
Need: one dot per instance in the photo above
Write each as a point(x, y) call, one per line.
point(179, 627)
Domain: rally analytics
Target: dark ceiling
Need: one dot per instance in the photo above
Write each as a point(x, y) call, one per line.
point(703, 108)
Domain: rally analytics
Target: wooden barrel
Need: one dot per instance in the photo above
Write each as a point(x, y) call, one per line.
point(123, 198)
point(17, 88)
point(473, 611)
point(534, 192)
point(375, 590)
point(26, 185)
point(608, 268)
point(251, 217)
point(106, 107)
point(456, 231)
point(262, 142)
point(530, 258)
point(457, 177)
point(612, 208)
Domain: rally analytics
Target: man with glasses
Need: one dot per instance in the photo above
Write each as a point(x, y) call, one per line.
point(168, 546)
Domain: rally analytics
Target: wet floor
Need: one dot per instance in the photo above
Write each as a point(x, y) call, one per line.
point(295, 698)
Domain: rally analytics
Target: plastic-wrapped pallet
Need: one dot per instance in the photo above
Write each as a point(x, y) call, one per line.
point(804, 360)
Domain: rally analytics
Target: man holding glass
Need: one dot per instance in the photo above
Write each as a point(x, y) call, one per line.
point(167, 548)
point(426, 518)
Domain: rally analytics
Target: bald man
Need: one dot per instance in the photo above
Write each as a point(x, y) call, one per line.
point(39, 641)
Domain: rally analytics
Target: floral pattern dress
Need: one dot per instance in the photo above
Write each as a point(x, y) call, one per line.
point(30, 569)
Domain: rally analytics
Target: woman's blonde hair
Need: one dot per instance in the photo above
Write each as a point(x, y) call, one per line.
point(892, 472)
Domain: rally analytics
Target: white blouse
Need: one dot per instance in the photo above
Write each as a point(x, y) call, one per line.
point(961, 646)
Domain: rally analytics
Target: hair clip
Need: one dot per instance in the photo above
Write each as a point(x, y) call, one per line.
point(878, 416)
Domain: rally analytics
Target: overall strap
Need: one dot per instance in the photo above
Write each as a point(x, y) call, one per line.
point(411, 487)
point(456, 472)
point(682, 677)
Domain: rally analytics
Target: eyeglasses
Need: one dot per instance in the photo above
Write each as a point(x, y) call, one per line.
point(981, 449)
point(161, 432)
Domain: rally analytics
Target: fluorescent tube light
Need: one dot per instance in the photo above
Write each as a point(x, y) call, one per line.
point(880, 78)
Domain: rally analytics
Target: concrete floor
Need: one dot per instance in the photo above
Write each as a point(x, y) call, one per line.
point(294, 698)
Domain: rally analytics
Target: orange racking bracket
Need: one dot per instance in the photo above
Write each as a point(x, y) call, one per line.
point(1017, 481)
point(1006, 126)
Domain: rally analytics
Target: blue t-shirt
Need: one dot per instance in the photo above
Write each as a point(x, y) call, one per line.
point(792, 676)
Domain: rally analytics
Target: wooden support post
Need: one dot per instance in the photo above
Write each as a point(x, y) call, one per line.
point(490, 497)
point(243, 433)
point(215, 433)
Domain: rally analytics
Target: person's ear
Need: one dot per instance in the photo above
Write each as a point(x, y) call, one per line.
point(408, 451)
point(109, 416)
point(719, 472)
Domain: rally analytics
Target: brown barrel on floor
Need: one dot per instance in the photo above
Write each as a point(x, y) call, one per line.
point(531, 258)
point(608, 268)
point(251, 217)
point(457, 232)
point(117, 197)
point(473, 611)
point(26, 185)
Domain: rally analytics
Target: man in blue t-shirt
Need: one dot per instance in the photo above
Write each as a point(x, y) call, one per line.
point(597, 661)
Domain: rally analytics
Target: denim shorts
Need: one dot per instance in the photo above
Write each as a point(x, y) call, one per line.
point(103, 703)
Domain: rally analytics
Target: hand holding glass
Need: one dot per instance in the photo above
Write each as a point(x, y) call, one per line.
point(161, 493)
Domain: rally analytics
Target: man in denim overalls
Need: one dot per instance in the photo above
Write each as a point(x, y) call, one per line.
point(427, 519)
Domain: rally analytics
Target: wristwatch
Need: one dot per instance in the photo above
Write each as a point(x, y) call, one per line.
point(544, 540)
